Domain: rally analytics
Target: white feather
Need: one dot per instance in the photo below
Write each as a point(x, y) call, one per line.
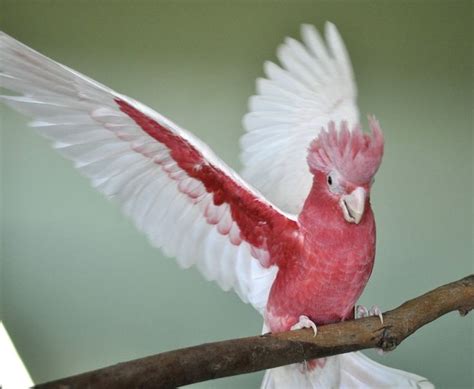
point(345, 371)
point(314, 86)
point(85, 123)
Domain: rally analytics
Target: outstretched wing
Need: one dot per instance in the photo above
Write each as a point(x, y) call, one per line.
point(176, 190)
point(314, 86)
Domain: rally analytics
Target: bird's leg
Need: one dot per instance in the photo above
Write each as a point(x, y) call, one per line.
point(362, 311)
point(305, 322)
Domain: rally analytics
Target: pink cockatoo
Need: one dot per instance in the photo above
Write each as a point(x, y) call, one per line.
point(302, 254)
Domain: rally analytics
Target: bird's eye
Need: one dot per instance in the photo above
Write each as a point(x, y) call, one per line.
point(329, 180)
point(334, 183)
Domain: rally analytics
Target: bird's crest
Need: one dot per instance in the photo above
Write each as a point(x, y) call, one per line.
point(354, 154)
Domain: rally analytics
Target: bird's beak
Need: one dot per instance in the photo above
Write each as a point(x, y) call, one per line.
point(353, 205)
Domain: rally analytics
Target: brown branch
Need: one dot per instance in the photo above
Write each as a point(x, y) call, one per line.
point(245, 355)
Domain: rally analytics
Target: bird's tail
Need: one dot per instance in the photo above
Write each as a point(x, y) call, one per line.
point(352, 370)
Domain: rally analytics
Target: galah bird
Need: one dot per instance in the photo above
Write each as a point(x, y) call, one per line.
point(302, 255)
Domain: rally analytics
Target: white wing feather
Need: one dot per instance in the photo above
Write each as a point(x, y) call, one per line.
point(314, 86)
point(85, 124)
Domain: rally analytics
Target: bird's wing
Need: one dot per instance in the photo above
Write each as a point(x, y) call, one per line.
point(314, 86)
point(176, 190)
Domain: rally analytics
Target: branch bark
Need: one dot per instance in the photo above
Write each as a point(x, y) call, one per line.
point(245, 355)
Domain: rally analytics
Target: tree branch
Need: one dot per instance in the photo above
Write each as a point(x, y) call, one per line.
point(245, 355)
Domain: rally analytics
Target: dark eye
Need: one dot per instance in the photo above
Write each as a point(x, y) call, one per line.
point(329, 180)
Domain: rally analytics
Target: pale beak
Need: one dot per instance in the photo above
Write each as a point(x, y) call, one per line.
point(353, 205)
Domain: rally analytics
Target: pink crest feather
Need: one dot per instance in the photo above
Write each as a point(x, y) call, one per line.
point(355, 155)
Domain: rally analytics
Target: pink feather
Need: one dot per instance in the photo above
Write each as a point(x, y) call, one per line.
point(355, 155)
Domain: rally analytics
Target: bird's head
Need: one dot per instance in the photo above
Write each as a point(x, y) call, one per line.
point(344, 164)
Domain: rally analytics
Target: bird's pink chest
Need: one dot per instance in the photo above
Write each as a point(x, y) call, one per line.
point(325, 276)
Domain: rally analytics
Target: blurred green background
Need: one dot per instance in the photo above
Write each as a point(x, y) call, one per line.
point(81, 288)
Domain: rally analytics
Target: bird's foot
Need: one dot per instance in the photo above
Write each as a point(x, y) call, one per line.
point(305, 322)
point(362, 311)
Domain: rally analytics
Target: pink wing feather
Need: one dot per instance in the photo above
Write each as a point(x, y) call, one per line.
point(177, 191)
point(245, 215)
